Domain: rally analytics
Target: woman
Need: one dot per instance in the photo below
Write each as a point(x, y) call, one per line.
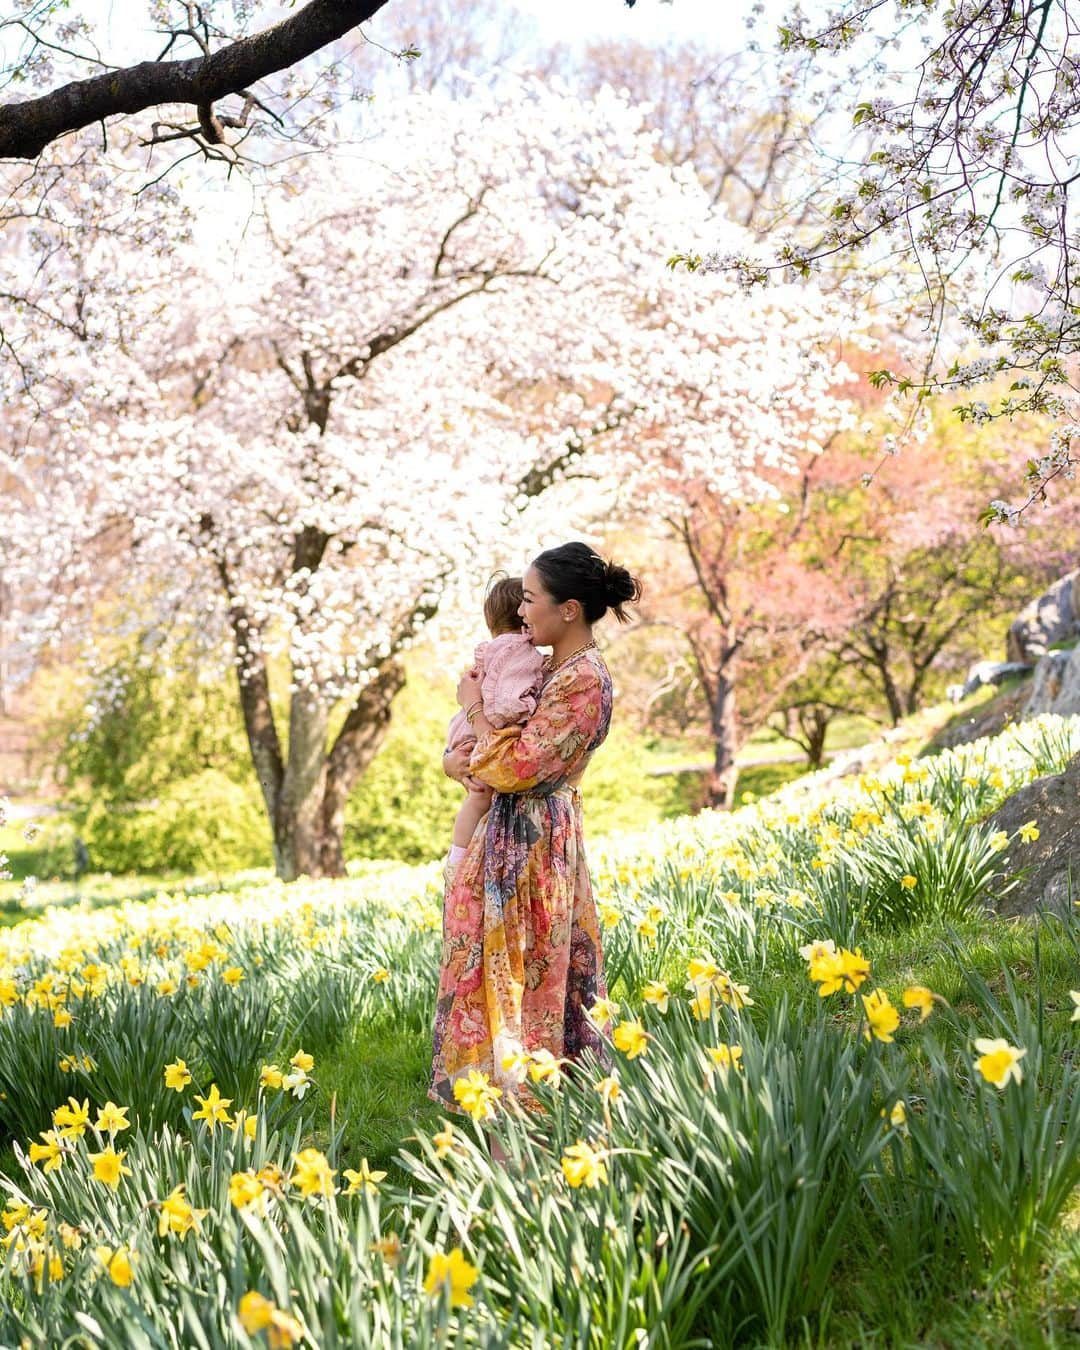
point(522, 958)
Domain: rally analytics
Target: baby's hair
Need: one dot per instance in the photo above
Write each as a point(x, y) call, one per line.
point(504, 595)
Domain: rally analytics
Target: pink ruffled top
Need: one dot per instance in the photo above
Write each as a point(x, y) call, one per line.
point(510, 670)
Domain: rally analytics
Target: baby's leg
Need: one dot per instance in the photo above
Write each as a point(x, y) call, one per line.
point(476, 803)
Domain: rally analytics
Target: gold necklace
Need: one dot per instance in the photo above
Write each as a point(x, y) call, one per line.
point(587, 646)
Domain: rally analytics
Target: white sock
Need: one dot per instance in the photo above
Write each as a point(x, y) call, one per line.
point(457, 852)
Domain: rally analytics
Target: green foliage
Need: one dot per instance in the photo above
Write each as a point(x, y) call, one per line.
point(203, 823)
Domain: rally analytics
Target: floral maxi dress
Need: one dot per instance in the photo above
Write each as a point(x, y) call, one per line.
point(521, 952)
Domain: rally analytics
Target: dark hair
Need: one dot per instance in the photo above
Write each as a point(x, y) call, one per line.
point(504, 595)
point(576, 572)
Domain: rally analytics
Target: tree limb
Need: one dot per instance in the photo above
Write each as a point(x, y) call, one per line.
point(26, 128)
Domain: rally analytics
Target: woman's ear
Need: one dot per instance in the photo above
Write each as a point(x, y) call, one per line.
point(571, 610)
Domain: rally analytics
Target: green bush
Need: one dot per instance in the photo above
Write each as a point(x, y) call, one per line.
point(202, 823)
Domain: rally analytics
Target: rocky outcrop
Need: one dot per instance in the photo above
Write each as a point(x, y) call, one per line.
point(993, 672)
point(1049, 867)
point(1046, 683)
point(1053, 617)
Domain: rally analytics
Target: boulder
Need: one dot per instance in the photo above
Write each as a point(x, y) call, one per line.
point(1046, 683)
point(1050, 866)
point(1067, 703)
point(1053, 617)
point(993, 672)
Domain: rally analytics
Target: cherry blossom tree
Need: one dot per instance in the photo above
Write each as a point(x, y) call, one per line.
point(967, 185)
point(430, 353)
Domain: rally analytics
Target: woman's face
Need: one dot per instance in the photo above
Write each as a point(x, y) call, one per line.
point(543, 617)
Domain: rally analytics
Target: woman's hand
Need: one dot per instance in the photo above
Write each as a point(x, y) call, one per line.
point(469, 690)
point(456, 766)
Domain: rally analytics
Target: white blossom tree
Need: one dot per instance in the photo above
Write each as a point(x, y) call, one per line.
point(429, 353)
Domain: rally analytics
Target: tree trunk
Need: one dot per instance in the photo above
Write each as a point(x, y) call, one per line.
point(720, 784)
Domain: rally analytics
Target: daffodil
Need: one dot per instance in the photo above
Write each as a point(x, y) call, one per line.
point(724, 1057)
point(631, 1038)
point(882, 1017)
point(998, 1061)
point(1029, 832)
point(312, 1174)
point(444, 1140)
point(585, 1165)
point(177, 1075)
point(270, 1077)
point(50, 1152)
point(918, 996)
point(909, 882)
point(476, 1095)
point(303, 1061)
point(1074, 994)
point(656, 992)
point(233, 975)
point(362, 1179)
point(72, 1119)
point(452, 1272)
point(112, 1119)
point(176, 1215)
point(603, 1011)
point(109, 1166)
point(244, 1189)
point(214, 1108)
point(119, 1263)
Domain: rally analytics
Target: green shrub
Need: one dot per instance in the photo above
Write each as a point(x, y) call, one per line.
point(203, 823)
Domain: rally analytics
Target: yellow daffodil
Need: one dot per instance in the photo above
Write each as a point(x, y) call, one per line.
point(724, 1057)
point(1029, 832)
point(233, 975)
point(609, 1089)
point(603, 1011)
point(312, 1173)
point(908, 882)
point(119, 1263)
point(656, 992)
point(998, 1061)
point(177, 1075)
point(585, 1165)
point(214, 1108)
point(918, 996)
point(270, 1076)
point(112, 1119)
point(999, 840)
point(50, 1152)
point(631, 1038)
point(109, 1166)
point(380, 975)
point(451, 1271)
point(544, 1068)
point(362, 1179)
point(176, 1215)
point(244, 1189)
point(303, 1061)
point(476, 1095)
point(72, 1119)
point(444, 1140)
point(882, 1017)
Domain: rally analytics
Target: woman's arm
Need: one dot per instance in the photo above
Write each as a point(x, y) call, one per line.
point(551, 744)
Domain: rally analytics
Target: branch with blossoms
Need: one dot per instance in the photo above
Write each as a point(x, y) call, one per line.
point(967, 175)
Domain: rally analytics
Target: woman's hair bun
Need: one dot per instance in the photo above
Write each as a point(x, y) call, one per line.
point(620, 587)
point(575, 571)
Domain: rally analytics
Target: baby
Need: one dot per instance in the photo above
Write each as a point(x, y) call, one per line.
point(510, 670)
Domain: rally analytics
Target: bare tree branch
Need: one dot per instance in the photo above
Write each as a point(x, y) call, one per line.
point(26, 128)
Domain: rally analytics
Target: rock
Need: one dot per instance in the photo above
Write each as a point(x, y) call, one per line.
point(1053, 617)
point(1067, 703)
point(1051, 864)
point(1046, 683)
point(993, 672)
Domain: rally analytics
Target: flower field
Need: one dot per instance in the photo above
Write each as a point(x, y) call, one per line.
point(829, 1079)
